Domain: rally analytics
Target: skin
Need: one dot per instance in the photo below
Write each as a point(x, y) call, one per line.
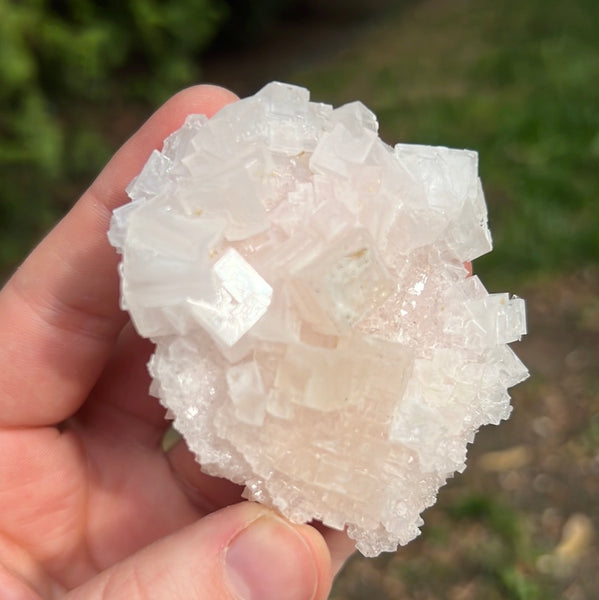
point(90, 505)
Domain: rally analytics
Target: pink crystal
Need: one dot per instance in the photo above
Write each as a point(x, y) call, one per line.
point(318, 338)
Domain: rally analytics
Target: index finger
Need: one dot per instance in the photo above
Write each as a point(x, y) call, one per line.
point(60, 310)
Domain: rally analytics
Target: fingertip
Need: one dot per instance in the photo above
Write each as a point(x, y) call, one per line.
point(321, 554)
point(205, 98)
point(272, 558)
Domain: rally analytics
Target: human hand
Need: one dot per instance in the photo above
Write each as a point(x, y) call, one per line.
point(90, 505)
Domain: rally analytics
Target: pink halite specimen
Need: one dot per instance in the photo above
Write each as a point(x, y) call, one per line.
point(317, 336)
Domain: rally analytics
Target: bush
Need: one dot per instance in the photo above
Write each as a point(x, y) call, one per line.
point(61, 62)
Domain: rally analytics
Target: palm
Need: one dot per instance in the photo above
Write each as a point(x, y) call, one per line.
point(103, 486)
point(83, 479)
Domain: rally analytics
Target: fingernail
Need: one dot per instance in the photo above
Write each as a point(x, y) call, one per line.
point(270, 560)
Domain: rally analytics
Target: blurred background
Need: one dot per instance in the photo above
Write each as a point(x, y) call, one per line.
point(516, 80)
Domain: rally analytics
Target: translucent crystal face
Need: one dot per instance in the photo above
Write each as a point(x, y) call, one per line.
point(317, 336)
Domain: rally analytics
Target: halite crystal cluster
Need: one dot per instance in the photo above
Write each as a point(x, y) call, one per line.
point(318, 338)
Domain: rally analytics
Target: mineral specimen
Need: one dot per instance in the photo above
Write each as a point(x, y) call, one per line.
point(318, 338)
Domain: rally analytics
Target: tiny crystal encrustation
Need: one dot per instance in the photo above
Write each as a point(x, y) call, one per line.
point(318, 337)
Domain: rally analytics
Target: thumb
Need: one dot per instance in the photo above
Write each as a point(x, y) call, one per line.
point(242, 552)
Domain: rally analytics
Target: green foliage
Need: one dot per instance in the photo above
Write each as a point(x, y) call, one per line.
point(63, 65)
point(56, 53)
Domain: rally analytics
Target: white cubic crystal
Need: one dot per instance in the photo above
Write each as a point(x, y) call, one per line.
point(318, 338)
point(242, 298)
point(247, 392)
point(342, 284)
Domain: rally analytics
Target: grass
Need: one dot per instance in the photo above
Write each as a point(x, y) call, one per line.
point(514, 80)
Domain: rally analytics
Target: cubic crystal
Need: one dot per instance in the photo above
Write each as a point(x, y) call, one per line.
point(318, 338)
